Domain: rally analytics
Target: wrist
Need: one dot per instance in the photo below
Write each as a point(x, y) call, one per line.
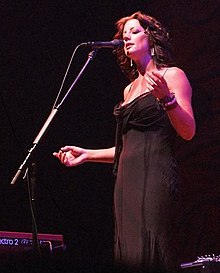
point(168, 102)
point(90, 155)
point(167, 98)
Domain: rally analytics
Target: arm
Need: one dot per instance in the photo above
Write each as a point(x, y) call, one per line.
point(181, 117)
point(72, 156)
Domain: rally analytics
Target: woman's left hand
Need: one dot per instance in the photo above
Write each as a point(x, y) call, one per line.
point(157, 85)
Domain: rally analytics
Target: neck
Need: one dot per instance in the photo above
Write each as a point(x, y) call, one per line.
point(145, 65)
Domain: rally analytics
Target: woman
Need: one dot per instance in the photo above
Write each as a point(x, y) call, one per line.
point(156, 108)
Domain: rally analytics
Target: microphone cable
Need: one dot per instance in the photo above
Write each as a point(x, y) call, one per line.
point(65, 75)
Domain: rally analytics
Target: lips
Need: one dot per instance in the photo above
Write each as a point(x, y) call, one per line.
point(128, 45)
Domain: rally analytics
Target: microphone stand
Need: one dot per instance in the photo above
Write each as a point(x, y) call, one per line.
point(26, 165)
point(30, 176)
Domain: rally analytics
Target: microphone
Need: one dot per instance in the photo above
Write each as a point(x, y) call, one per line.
point(112, 44)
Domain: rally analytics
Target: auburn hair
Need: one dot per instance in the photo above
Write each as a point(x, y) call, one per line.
point(159, 40)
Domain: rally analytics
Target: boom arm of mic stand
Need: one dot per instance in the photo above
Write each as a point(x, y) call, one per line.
point(54, 111)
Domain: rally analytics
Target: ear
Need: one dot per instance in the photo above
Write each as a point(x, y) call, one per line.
point(147, 31)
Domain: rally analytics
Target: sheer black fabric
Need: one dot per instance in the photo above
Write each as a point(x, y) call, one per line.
point(146, 189)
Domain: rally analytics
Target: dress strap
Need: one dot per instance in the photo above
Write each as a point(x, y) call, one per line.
point(165, 71)
point(130, 87)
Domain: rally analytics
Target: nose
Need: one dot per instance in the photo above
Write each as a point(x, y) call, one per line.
point(126, 37)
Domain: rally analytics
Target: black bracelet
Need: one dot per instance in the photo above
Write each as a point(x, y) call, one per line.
point(167, 99)
point(171, 105)
point(168, 103)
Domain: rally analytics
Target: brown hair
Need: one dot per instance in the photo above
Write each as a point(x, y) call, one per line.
point(158, 37)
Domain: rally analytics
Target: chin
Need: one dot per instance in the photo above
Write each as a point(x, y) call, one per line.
point(127, 53)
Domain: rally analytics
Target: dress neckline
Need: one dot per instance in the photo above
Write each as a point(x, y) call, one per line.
point(122, 104)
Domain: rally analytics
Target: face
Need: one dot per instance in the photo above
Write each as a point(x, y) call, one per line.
point(136, 44)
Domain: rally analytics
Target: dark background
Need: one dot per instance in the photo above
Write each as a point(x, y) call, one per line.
point(37, 41)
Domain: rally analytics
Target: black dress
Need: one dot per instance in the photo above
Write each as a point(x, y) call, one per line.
point(146, 187)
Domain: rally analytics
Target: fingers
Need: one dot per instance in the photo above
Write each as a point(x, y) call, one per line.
point(151, 79)
point(67, 148)
point(56, 154)
point(157, 85)
point(152, 82)
point(71, 156)
point(155, 79)
point(158, 75)
point(73, 149)
point(61, 155)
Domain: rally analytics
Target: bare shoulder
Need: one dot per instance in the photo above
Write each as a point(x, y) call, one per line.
point(174, 72)
point(177, 80)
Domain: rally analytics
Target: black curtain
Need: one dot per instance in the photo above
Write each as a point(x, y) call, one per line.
point(37, 41)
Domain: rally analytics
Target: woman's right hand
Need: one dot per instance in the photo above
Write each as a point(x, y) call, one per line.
point(71, 156)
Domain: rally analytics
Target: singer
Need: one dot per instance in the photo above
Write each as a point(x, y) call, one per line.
point(155, 110)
